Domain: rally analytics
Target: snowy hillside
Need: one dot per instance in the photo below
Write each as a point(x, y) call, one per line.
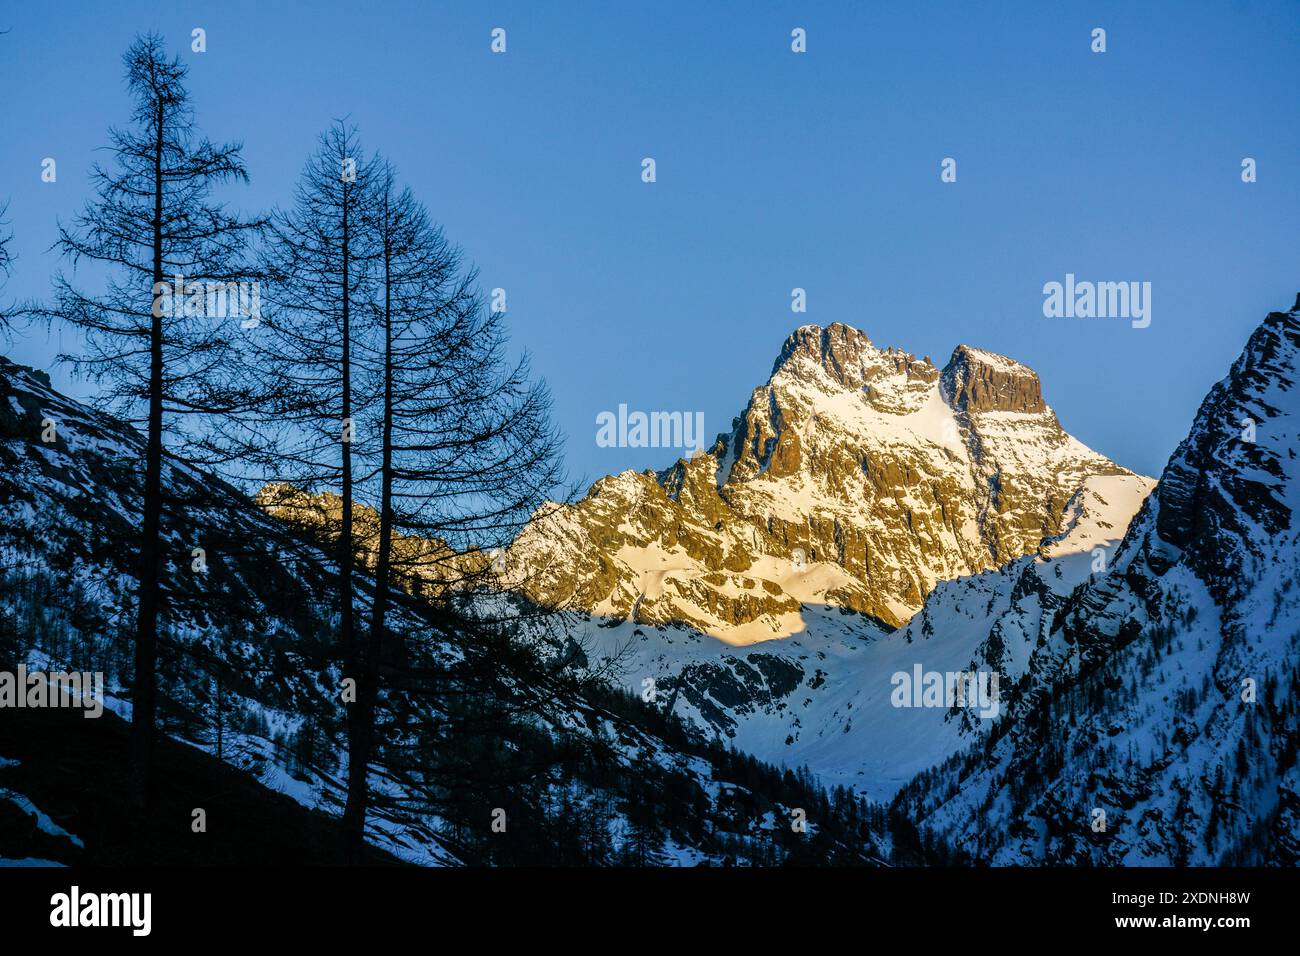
point(250, 674)
point(1161, 723)
point(822, 696)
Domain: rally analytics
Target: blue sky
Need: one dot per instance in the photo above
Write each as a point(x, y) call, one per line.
point(775, 170)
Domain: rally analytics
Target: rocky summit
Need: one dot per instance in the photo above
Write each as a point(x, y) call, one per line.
point(856, 478)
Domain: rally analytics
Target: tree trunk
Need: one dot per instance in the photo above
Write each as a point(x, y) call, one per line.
point(144, 701)
point(354, 811)
point(368, 691)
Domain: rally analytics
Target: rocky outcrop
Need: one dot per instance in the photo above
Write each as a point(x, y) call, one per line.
point(978, 381)
point(420, 564)
point(1222, 495)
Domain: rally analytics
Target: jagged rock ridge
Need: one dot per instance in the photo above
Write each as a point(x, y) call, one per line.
point(856, 477)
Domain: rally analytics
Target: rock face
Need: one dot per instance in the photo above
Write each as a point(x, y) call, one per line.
point(425, 566)
point(1161, 694)
point(1223, 494)
point(978, 381)
point(855, 478)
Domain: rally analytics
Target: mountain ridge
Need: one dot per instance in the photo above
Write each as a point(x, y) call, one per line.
point(1158, 722)
point(877, 469)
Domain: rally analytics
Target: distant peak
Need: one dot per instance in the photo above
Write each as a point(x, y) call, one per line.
point(971, 354)
point(836, 342)
point(848, 356)
point(978, 381)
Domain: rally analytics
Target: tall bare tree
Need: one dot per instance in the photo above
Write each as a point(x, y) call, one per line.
point(153, 226)
point(316, 262)
point(465, 449)
point(306, 437)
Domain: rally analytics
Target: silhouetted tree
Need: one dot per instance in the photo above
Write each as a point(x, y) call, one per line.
point(6, 257)
point(149, 335)
point(315, 262)
point(465, 451)
point(304, 437)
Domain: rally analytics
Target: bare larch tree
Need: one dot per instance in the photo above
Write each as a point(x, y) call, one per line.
point(151, 227)
point(465, 449)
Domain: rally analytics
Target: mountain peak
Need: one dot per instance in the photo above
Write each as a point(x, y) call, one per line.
point(847, 356)
point(857, 460)
point(837, 346)
point(978, 381)
point(1156, 653)
point(1229, 488)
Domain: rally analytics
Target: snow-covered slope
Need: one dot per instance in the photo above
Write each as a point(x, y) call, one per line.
point(250, 672)
point(822, 697)
point(1160, 720)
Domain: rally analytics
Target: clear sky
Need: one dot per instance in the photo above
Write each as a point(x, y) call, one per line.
point(774, 169)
